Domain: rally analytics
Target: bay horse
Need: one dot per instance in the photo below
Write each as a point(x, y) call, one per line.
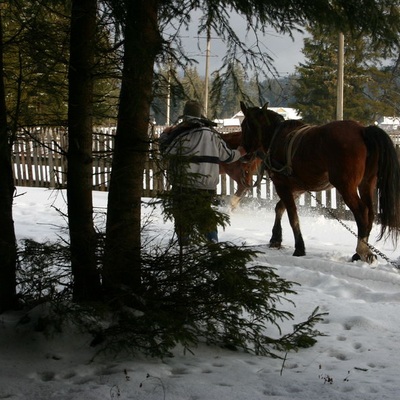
point(241, 171)
point(355, 159)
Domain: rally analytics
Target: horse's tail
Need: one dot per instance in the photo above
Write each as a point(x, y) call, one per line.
point(388, 184)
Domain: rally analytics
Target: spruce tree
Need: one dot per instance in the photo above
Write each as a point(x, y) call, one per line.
point(316, 85)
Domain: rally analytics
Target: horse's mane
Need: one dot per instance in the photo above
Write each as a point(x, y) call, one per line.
point(277, 118)
point(289, 125)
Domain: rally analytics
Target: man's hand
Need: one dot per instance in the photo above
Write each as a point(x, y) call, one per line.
point(242, 151)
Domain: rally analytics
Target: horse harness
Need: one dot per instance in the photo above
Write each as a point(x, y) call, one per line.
point(292, 142)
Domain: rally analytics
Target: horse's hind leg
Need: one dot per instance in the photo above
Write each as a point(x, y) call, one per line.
point(362, 209)
point(366, 190)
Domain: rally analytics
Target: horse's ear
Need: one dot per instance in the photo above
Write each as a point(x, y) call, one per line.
point(243, 108)
point(265, 106)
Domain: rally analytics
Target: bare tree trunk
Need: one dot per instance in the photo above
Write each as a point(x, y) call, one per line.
point(80, 174)
point(8, 246)
point(122, 263)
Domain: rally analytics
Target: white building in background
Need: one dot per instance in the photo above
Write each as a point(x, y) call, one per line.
point(231, 124)
point(228, 123)
point(286, 112)
point(389, 124)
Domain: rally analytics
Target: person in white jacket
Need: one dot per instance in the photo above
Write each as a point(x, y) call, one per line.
point(194, 150)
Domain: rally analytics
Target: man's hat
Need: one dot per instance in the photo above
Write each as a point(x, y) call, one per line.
point(193, 109)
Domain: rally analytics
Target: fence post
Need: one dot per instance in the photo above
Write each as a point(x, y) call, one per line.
point(36, 161)
point(50, 159)
point(18, 161)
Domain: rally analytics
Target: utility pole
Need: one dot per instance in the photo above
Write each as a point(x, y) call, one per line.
point(208, 50)
point(340, 77)
point(168, 121)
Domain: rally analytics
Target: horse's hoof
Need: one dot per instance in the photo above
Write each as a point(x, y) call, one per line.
point(275, 245)
point(369, 258)
point(299, 253)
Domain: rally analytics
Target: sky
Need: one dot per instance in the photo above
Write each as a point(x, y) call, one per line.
point(285, 51)
point(357, 359)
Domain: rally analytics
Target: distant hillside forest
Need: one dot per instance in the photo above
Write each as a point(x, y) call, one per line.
point(224, 96)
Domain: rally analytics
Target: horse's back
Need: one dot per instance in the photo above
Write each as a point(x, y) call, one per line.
point(232, 139)
point(335, 139)
point(330, 153)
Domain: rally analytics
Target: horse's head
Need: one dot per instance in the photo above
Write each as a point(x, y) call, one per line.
point(258, 126)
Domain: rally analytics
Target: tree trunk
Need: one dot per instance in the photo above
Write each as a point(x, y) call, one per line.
point(122, 262)
point(8, 246)
point(80, 174)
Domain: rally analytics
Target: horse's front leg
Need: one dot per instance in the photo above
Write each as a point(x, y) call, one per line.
point(289, 201)
point(276, 238)
point(239, 194)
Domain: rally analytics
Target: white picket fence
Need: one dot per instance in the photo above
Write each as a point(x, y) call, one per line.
point(39, 159)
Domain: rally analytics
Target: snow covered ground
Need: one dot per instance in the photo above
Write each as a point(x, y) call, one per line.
point(358, 359)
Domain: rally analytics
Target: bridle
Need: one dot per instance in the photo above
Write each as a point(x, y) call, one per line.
point(259, 153)
point(253, 157)
point(291, 145)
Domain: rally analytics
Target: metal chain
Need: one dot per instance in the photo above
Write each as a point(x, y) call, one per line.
point(370, 246)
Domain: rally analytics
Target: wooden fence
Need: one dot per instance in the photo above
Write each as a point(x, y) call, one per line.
point(39, 159)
